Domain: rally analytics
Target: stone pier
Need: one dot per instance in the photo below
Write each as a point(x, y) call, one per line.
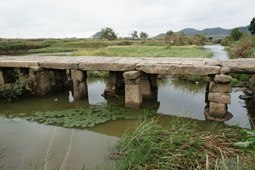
point(80, 88)
point(146, 85)
point(1, 78)
point(218, 97)
point(115, 82)
point(133, 90)
point(40, 80)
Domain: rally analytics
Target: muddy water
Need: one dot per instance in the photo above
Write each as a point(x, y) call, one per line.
point(26, 145)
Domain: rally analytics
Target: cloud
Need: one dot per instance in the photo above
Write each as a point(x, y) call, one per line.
point(82, 18)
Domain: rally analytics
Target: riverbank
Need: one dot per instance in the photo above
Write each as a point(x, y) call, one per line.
point(180, 146)
point(92, 47)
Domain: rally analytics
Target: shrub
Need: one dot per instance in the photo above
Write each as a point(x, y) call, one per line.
point(241, 48)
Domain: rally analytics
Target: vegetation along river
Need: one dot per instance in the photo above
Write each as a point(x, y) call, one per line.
point(30, 145)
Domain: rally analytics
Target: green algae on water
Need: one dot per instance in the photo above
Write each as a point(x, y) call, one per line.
point(89, 117)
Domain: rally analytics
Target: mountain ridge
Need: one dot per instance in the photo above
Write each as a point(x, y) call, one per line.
point(216, 32)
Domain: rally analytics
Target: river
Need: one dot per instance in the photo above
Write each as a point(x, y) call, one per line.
point(30, 145)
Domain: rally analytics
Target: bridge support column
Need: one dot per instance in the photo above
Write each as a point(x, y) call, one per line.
point(133, 90)
point(40, 80)
point(1, 78)
point(80, 88)
point(147, 84)
point(60, 78)
point(154, 81)
point(115, 82)
point(218, 97)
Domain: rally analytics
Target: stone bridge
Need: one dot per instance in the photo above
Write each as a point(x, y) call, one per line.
point(137, 76)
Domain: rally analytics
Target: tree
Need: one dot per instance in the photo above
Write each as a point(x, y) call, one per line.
point(108, 33)
point(134, 35)
point(170, 32)
point(169, 38)
point(143, 35)
point(236, 34)
point(252, 26)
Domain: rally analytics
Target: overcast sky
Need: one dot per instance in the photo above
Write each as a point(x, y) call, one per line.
point(83, 18)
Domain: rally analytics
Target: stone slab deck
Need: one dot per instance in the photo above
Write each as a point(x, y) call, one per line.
point(161, 65)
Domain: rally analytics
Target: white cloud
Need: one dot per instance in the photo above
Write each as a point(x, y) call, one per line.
point(82, 18)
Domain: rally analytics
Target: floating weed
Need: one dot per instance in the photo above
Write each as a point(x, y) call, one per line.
point(89, 117)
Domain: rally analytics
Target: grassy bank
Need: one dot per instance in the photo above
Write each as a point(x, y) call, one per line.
point(180, 146)
point(92, 47)
point(242, 48)
point(147, 51)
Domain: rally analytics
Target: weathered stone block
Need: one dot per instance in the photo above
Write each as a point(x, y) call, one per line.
point(80, 89)
point(222, 78)
point(134, 82)
point(217, 109)
point(36, 68)
point(225, 70)
point(78, 74)
point(221, 88)
point(1, 78)
point(146, 89)
point(115, 83)
point(133, 96)
point(213, 63)
point(252, 82)
point(223, 98)
point(42, 83)
point(165, 68)
point(110, 89)
point(131, 75)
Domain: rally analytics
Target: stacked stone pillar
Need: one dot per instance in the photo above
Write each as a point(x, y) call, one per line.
point(80, 88)
point(146, 85)
point(1, 78)
point(115, 82)
point(40, 79)
point(133, 90)
point(218, 97)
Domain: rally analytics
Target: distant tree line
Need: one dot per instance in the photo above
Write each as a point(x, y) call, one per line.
point(109, 34)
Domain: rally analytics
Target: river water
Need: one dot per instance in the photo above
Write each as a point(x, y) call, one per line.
point(30, 145)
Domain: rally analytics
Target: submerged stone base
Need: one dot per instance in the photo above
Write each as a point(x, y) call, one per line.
point(115, 83)
point(1, 78)
point(80, 88)
point(41, 82)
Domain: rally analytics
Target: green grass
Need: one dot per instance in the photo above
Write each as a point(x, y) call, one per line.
point(93, 47)
point(179, 146)
point(146, 51)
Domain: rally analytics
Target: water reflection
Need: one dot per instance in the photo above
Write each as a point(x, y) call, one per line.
point(91, 147)
point(181, 98)
point(28, 145)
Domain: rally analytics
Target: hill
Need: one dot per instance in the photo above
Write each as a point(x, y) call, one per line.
point(217, 32)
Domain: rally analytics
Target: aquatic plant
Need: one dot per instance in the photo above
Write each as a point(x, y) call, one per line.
point(88, 117)
point(12, 91)
point(179, 146)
